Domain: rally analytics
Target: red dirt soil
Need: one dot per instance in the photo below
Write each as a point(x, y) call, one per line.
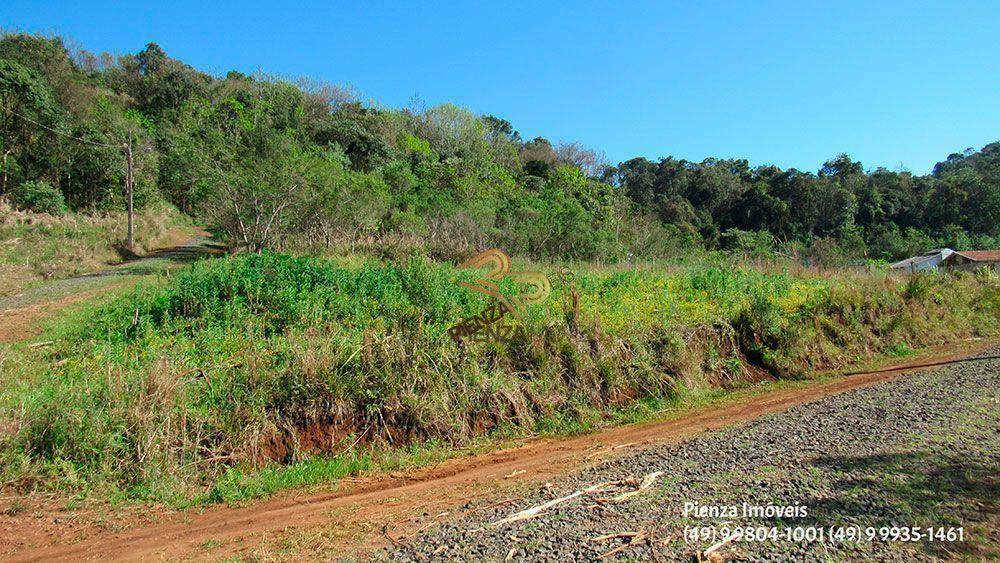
point(360, 515)
point(23, 323)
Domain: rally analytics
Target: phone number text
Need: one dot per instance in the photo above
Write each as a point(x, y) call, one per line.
point(837, 534)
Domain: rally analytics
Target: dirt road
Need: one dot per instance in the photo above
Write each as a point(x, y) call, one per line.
point(358, 516)
point(21, 314)
point(913, 463)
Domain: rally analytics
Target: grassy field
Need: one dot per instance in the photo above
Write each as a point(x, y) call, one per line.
point(244, 375)
point(38, 246)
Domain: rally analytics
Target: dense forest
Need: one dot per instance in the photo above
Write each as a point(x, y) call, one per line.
point(273, 163)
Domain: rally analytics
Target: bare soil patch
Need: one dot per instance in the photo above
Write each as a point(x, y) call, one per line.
point(22, 323)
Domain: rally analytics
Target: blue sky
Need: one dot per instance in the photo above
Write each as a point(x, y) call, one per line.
point(788, 83)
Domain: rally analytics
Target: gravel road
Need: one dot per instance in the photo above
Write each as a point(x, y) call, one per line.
point(157, 262)
point(923, 450)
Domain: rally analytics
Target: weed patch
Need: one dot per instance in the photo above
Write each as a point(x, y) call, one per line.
point(245, 375)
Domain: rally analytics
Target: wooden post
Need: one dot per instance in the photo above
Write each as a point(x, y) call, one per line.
point(3, 184)
point(129, 191)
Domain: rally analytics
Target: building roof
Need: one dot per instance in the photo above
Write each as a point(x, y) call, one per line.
point(936, 254)
point(981, 255)
point(909, 262)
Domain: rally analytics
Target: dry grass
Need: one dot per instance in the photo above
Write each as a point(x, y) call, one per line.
point(39, 246)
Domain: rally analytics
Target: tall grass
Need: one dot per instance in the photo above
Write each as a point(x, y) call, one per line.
point(37, 246)
point(251, 360)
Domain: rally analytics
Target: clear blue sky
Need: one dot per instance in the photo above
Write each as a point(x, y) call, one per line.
point(787, 83)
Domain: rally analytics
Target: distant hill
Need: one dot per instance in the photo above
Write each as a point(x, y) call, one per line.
point(269, 163)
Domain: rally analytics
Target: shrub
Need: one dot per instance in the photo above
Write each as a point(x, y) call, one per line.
point(38, 196)
point(747, 242)
point(407, 223)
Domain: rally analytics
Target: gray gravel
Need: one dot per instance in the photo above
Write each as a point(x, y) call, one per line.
point(920, 451)
point(157, 262)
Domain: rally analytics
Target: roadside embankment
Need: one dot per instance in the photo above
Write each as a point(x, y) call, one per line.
point(241, 376)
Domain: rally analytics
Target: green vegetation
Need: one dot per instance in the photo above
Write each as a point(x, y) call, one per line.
point(38, 196)
point(181, 390)
point(239, 376)
point(36, 247)
point(268, 163)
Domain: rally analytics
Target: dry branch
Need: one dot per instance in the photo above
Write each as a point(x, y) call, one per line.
point(646, 483)
point(601, 452)
point(535, 511)
point(607, 537)
point(635, 538)
point(707, 554)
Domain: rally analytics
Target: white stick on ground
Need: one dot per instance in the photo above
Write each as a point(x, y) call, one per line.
point(635, 538)
point(535, 511)
point(607, 537)
point(646, 483)
point(716, 547)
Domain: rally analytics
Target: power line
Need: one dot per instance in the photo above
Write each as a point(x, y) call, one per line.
point(129, 186)
point(67, 135)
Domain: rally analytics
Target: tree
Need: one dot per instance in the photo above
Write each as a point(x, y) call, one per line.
point(504, 141)
point(841, 167)
point(639, 179)
point(498, 129)
point(26, 108)
point(835, 205)
point(871, 206)
point(452, 131)
point(946, 203)
point(538, 157)
point(48, 59)
point(362, 133)
point(758, 210)
point(264, 175)
point(185, 171)
point(983, 209)
point(977, 175)
point(591, 162)
point(156, 82)
point(713, 184)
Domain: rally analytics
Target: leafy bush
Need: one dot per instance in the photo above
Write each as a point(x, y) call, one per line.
point(242, 360)
point(749, 242)
point(38, 196)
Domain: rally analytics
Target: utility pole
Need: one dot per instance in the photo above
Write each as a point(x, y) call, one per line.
point(3, 180)
point(129, 191)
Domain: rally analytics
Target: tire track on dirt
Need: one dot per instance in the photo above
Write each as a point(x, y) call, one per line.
point(363, 506)
point(21, 314)
point(917, 453)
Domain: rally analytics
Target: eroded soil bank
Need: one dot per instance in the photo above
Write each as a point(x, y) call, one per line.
point(357, 516)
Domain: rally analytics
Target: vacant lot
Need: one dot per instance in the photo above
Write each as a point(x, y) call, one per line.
point(245, 375)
